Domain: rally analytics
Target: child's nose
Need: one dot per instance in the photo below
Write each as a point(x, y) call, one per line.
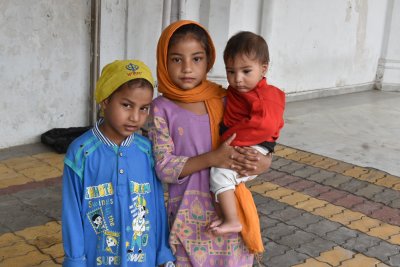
point(187, 66)
point(134, 116)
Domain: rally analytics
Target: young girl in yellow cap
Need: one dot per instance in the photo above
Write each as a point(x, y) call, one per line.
point(184, 131)
point(113, 205)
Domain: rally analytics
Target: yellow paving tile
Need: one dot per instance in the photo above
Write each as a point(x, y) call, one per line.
point(48, 155)
point(28, 259)
point(9, 239)
point(41, 173)
point(335, 256)
point(59, 260)
point(264, 187)
point(341, 167)
point(346, 217)
point(55, 251)
point(8, 174)
point(326, 163)
point(364, 224)
point(356, 172)
point(388, 181)
point(294, 198)
point(385, 231)
point(312, 263)
point(46, 241)
point(298, 156)
point(396, 187)
point(311, 204)
point(372, 176)
point(48, 264)
point(360, 260)
point(4, 169)
point(17, 180)
point(395, 239)
point(279, 193)
point(328, 211)
point(311, 160)
point(47, 229)
point(285, 151)
point(382, 265)
point(17, 249)
point(14, 162)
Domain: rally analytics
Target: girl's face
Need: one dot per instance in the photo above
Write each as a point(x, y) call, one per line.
point(187, 63)
point(244, 73)
point(125, 112)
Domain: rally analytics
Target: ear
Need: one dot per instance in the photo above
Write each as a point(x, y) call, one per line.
point(104, 104)
point(264, 69)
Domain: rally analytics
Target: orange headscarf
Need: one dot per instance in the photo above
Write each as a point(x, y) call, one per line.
point(209, 92)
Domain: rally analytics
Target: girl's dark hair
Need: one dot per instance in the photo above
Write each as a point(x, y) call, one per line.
point(140, 82)
point(248, 43)
point(196, 32)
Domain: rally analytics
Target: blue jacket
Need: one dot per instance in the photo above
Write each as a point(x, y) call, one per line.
point(113, 211)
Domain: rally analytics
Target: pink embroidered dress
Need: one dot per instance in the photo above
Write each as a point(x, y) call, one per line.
point(178, 134)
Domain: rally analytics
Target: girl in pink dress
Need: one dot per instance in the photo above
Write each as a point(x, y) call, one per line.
point(184, 132)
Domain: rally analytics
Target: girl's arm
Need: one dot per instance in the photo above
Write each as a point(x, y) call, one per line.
point(172, 168)
point(222, 157)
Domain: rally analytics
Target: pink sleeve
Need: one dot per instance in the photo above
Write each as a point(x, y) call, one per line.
point(168, 166)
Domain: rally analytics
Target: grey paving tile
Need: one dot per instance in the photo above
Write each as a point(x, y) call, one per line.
point(388, 197)
point(321, 228)
point(304, 220)
point(297, 239)
point(337, 180)
point(279, 162)
point(278, 231)
point(292, 167)
point(290, 258)
point(341, 235)
point(286, 214)
point(383, 251)
point(316, 247)
point(305, 172)
point(321, 176)
point(369, 191)
point(353, 185)
point(361, 243)
point(46, 200)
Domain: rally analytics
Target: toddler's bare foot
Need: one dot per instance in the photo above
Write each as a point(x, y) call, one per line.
point(226, 228)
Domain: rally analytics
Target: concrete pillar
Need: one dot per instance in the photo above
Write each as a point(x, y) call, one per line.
point(388, 73)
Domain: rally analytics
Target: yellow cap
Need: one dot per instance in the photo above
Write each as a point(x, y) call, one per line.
point(119, 72)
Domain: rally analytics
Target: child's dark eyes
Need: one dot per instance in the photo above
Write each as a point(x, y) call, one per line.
point(176, 60)
point(198, 59)
point(126, 105)
point(246, 71)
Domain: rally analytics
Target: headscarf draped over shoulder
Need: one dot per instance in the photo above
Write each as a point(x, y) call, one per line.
point(209, 92)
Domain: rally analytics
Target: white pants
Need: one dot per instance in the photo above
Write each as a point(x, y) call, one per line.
point(222, 180)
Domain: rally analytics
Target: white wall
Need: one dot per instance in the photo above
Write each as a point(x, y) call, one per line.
point(44, 63)
point(323, 45)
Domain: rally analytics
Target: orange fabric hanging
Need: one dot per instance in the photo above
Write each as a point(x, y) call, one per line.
point(212, 94)
point(247, 213)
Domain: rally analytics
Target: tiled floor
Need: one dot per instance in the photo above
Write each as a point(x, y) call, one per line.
point(314, 210)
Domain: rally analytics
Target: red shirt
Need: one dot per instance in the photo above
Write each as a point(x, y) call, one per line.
point(255, 116)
